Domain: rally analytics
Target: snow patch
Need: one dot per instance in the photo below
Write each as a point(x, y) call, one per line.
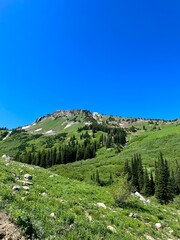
point(48, 132)
point(7, 135)
point(26, 127)
point(69, 124)
point(38, 130)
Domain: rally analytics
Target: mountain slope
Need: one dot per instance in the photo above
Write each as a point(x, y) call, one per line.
point(58, 208)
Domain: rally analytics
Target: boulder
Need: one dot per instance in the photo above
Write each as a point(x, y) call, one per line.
point(111, 229)
point(101, 205)
point(133, 215)
point(16, 188)
point(26, 188)
point(158, 226)
point(27, 177)
point(52, 215)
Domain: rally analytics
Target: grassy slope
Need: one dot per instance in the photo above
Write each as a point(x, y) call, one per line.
point(71, 201)
point(147, 143)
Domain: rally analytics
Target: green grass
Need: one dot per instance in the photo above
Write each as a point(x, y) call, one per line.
point(147, 143)
point(71, 201)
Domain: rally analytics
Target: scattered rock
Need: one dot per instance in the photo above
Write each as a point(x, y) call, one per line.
point(141, 198)
point(16, 188)
point(101, 205)
point(52, 215)
point(133, 215)
point(158, 226)
point(25, 183)
point(26, 188)
point(149, 237)
point(111, 229)
point(44, 194)
point(27, 177)
point(88, 216)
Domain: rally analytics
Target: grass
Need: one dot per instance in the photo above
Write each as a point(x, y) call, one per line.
point(147, 143)
point(71, 202)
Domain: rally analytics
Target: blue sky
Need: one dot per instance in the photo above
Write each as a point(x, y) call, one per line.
point(114, 57)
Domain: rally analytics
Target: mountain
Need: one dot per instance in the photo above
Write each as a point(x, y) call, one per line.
point(80, 190)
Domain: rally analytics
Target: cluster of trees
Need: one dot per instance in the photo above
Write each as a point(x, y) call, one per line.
point(167, 183)
point(164, 184)
point(64, 153)
point(95, 177)
point(73, 150)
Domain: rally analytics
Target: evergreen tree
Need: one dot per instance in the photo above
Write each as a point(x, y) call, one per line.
point(147, 184)
point(162, 180)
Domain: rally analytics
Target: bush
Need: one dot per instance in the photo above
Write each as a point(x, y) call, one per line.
point(121, 192)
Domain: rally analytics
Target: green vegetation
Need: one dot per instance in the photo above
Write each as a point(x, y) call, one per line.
point(59, 208)
point(92, 158)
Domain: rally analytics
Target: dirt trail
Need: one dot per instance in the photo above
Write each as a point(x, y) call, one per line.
point(8, 231)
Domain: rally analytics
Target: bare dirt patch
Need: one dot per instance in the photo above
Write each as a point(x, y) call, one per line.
point(8, 230)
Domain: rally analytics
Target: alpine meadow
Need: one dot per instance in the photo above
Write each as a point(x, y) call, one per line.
point(74, 174)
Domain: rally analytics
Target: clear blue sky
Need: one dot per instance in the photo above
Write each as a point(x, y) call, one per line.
point(114, 57)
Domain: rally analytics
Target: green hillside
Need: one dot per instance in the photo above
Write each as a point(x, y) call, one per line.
point(54, 207)
point(83, 155)
point(147, 143)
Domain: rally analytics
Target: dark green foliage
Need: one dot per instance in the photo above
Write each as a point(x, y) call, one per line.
point(164, 182)
point(137, 172)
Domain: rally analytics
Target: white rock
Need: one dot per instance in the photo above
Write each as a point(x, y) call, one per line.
point(16, 188)
point(133, 215)
point(26, 188)
point(112, 229)
point(52, 215)
point(89, 218)
point(101, 205)
point(158, 226)
point(44, 194)
point(28, 177)
point(141, 198)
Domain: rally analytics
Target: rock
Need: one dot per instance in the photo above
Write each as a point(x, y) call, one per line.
point(88, 216)
point(149, 237)
point(141, 198)
point(52, 215)
point(25, 183)
point(158, 226)
point(44, 194)
point(112, 229)
point(16, 188)
point(26, 188)
point(133, 215)
point(101, 205)
point(27, 177)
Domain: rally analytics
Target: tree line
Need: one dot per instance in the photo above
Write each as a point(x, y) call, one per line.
point(74, 150)
point(164, 183)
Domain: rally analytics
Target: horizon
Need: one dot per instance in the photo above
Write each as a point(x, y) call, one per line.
point(105, 114)
point(119, 58)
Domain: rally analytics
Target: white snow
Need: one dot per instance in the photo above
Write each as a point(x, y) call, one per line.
point(69, 125)
point(26, 127)
point(34, 124)
point(38, 130)
point(48, 132)
point(7, 135)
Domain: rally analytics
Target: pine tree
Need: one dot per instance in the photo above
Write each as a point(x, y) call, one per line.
point(152, 185)
point(161, 181)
